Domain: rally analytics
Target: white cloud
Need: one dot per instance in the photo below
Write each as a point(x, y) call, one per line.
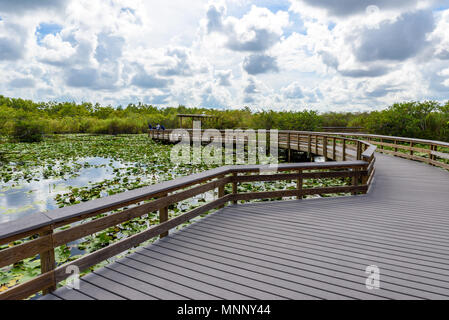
point(256, 31)
point(19, 7)
point(260, 63)
point(398, 40)
point(227, 53)
point(224, 77)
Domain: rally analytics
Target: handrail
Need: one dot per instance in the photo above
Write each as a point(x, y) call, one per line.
point(429, 151)
point(45, 225)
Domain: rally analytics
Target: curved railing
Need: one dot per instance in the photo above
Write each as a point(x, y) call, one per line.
point(46, 231)
point(343, 145)
point(429, 151)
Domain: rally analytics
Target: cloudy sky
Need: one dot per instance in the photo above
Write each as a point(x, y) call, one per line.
point(346, 55)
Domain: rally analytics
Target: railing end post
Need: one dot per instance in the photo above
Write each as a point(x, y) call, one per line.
point(234, 187)
point(48, 260)
point(163, 217)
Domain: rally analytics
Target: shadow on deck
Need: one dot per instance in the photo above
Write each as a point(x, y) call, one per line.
point(302, 249)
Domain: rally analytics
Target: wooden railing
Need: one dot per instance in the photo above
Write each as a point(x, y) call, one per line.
point(47, 233)
point(334, 147)
point(343, 146)
point(432, 152)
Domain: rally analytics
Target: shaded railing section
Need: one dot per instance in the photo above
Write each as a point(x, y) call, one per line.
point(318, 143)
point(343, 146)
point(47, 231)
point(432, 152)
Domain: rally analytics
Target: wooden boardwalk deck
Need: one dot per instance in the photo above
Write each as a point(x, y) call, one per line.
point(302, 249)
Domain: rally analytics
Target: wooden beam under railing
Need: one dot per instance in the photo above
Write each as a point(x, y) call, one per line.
point(208, 181)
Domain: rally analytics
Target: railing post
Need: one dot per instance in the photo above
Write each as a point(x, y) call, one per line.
point(325, 148)
point(355, 180)
point(344, 150)
point(288, 147)
point(334, 149)
point(234, 187)
point(163, 217)
point(365, 176)
point(395, 144)
point(299, 183)
point(359, 150)
point(309, 146)
point(316, 145)
point(411, 146)
point(221, 191)
point(48, 262)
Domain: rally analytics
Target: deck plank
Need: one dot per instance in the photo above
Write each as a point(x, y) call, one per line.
point(300, 249)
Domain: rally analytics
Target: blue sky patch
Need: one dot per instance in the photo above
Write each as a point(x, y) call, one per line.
point(45, 29)
point(297, 25)
point(275, 5)
point(442, 8)
point(126, 9)
point(239, 10)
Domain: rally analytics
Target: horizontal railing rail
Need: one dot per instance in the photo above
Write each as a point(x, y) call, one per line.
point(44, 233)
point(343, 145)
point(319, 143)
point(432, 152)
point(49, 238)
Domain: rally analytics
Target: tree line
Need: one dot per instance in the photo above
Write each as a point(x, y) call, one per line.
point(25, 120)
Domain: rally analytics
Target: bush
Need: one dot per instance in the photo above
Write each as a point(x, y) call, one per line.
point(28, 131)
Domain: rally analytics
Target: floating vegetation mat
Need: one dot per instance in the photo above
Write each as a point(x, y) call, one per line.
point(65, 170)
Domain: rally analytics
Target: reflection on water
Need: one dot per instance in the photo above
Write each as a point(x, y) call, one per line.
point(19, 200)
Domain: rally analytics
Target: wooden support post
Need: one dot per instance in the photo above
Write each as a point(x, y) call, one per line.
point(395, 143)
point(381, 141)
point(365, 178)
point(221, 191)
point(48, 262)
point(411, 146)
point(234, 187)
point(309, 146)
point(355, 181)
point(299, 183)
point(344, 150)
point(299, 144)
point(359, 150)
point(334, 149)
point(325, 148)
point(316, 145)
point(289, 153)
point(163, 217)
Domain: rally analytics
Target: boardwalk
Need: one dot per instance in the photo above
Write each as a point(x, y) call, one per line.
point(302, 249)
